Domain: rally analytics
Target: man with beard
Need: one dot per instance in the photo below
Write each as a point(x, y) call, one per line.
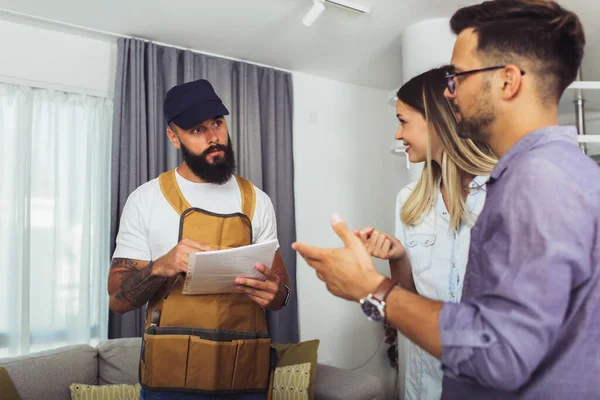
point(528, 324)
point(202, 346)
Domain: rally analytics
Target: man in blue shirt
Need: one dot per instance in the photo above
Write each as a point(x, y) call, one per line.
point(528, 325)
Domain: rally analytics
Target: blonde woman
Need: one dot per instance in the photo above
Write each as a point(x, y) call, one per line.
point(428, 254)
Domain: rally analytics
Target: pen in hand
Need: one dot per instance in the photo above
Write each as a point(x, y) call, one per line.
point(174, 284)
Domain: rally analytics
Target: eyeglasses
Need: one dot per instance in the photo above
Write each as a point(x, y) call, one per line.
point(451, 82)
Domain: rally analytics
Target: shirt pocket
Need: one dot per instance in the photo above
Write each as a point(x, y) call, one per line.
point(419, 247)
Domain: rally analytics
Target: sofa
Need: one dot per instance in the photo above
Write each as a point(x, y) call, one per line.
point(47, 375)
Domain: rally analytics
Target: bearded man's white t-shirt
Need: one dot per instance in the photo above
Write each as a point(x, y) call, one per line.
point(149, 225)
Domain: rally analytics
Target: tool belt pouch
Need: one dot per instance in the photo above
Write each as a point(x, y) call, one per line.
point(204, 360)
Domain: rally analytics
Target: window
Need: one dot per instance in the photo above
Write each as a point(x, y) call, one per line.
point(54, 218)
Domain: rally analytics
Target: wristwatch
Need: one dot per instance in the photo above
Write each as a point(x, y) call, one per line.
point(288, 294)
point(374, 304)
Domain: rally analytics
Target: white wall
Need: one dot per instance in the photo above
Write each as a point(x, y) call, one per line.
point(57, 59)
point(592, 121)
point(342, 136)
point(592, 127)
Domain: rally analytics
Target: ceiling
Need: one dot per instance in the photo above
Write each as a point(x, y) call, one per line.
point(363, 49)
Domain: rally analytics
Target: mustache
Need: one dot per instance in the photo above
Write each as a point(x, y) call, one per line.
point(455, 109)
point(214, 147)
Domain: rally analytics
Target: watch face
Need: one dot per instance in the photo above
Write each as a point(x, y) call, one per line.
point(371, 309)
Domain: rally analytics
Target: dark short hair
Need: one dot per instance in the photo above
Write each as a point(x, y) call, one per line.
point(540, 31)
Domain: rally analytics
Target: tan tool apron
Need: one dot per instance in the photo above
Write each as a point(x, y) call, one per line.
point(206, 344)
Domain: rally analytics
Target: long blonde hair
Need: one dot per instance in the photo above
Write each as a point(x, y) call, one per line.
point(425, 94)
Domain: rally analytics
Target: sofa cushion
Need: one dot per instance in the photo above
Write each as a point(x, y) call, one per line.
point(336, 383)
point(292, 354)
point(7, 388)
point(105, 392)
point(48, 374)
point(118, 361)
point(291, 382)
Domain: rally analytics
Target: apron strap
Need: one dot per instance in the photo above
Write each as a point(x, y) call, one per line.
point(170, 189)
point(248, 196)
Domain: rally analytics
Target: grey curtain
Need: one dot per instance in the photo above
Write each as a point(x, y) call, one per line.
point(260, 102)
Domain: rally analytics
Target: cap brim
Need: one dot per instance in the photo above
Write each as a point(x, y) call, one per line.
point(195, 115)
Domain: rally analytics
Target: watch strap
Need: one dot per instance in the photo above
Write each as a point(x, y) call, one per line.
point(383, 289)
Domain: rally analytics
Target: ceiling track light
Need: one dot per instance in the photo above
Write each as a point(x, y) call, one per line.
point(319, 6)
point(315, 11)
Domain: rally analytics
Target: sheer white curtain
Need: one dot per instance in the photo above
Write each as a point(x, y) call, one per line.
point(54, 218)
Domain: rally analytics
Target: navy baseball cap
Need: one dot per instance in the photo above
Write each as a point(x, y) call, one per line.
point(191, 103)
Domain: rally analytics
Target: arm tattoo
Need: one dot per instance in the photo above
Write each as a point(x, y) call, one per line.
point(137, 285)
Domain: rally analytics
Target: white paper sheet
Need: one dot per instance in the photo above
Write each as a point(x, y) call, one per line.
point(214, 271)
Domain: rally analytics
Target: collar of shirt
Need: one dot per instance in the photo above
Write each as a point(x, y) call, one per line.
point(548, 134)
point(477, 185)
point(479, 182)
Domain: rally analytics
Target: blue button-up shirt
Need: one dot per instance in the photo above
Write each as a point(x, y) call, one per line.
point(528, 325)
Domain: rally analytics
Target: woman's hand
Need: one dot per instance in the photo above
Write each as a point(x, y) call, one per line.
point(381, 245)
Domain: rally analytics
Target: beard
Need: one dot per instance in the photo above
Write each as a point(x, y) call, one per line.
point(477, 126)
point(219, 171)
